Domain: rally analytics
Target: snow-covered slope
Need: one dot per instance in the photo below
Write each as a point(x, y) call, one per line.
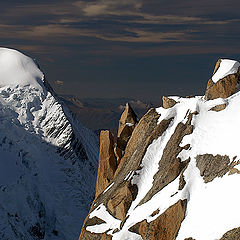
point(192, 159)
point(48, 160)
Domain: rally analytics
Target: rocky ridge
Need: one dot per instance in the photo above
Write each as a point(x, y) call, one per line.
point(176, 178)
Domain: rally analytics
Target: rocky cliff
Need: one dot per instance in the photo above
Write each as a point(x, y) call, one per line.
point(174, 174)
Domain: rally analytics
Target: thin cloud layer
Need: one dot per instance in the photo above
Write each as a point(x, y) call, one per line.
point(111, 23)
point(109, 7)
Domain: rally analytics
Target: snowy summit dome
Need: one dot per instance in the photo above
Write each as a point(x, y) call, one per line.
point(226, 68)
point(16, 69)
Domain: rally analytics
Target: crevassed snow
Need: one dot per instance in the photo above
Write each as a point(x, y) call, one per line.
point(227, 67)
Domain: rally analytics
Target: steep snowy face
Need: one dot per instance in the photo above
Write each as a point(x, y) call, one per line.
point(48, 160)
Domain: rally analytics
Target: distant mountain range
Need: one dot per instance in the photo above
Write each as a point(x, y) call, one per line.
point(172, 174)
point(98, 114)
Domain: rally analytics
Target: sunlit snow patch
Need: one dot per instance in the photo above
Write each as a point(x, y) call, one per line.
point(111, 223)
point(18, 70)
point(227, 67)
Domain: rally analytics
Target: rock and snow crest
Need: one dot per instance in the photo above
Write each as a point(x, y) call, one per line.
point(226, 68)
point(190, 170)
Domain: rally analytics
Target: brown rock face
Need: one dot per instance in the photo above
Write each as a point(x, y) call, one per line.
point(145, 132)
point(213, 166)
point(164, 227)
point(233, 234)
point(217, 66)
point(121, 201)
point(85, 235)
point(111, 153)
point(117, 198)
point(127, 124)
point(219, 108)
point(223, 88)
point(107, 164)
point(118, 154)
point(168, 102)
point(106, 237)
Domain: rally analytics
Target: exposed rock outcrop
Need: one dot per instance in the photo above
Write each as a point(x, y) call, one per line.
point(107, 164)
point(217, 66)
point(110, 152)
point(106, 237)
point(121, 200)
point(213, 166)
point(145, 132)
point(122, 190)
point(165, 226)
point(219, 107)
point(127, 124)
point(224, 87)
point(233, 234)
point(168, 102)
point(118, 154)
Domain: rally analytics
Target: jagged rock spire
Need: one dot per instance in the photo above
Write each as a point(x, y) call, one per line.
point(127, 124)
point(107, 164)
point(111, 152)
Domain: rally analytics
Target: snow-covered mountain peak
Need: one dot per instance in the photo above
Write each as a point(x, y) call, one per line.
point(226, 67)
point(19, 70)
point(37, 109)
point(48, 159)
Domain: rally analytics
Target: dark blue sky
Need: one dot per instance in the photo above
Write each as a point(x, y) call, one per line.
point(124, 48)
